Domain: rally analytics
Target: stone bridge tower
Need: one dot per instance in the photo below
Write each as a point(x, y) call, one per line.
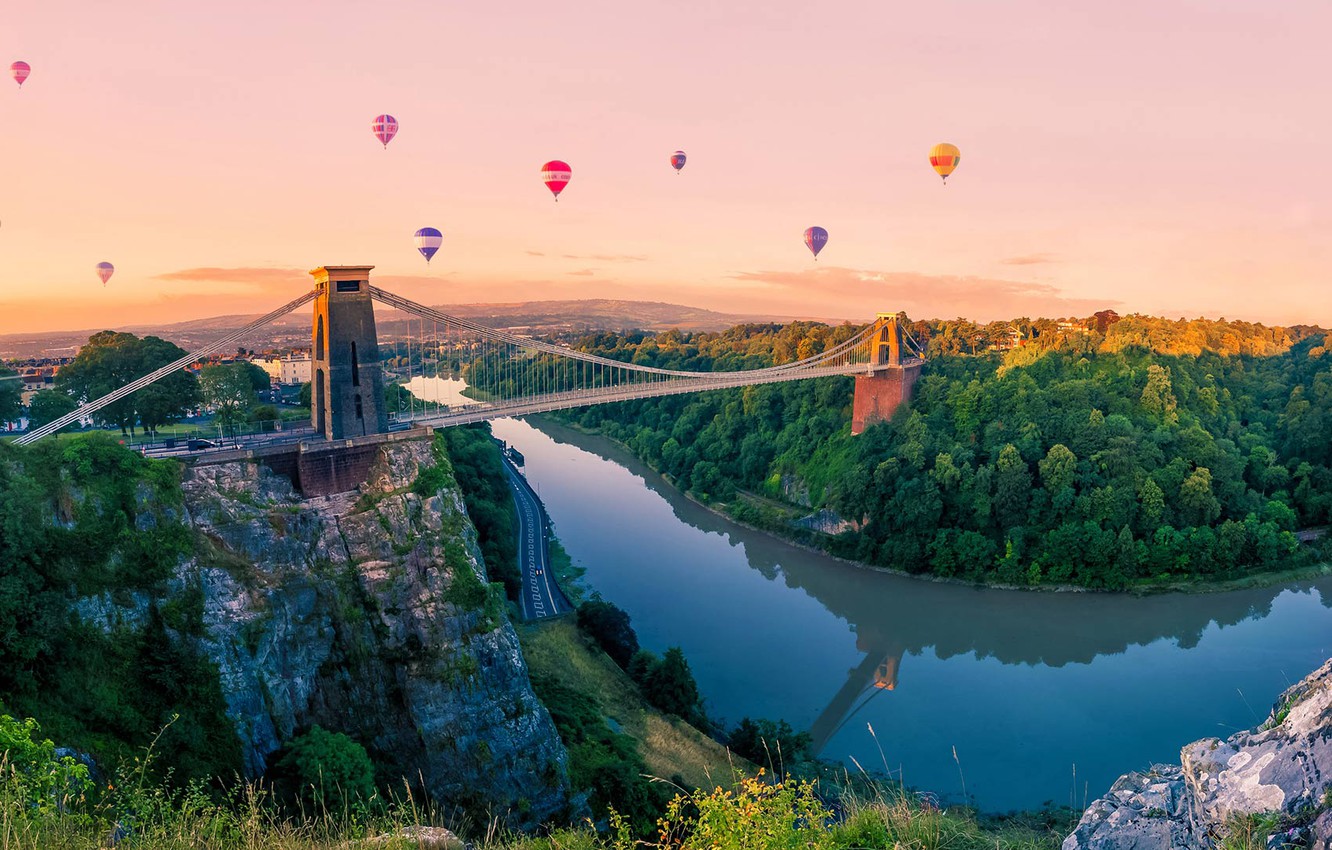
point(347, 387)
point(891, 379)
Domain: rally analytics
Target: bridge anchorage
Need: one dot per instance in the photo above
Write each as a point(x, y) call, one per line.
point(507, 374)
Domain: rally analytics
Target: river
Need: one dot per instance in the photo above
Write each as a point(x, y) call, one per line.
point(1043, 696)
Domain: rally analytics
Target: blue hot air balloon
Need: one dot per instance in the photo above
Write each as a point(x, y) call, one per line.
point(428, 240)
point(816, 238)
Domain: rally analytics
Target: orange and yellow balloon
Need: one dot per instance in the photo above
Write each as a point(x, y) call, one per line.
point(945, 157)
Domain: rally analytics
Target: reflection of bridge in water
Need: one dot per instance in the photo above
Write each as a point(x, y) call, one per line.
point(897, 617)
point(514, 375)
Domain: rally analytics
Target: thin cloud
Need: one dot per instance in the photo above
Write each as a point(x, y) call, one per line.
point(582, 273)
point(534, 253)
point(1029, 260)
point(859, 294)
point(244, 274)
point(608, 258)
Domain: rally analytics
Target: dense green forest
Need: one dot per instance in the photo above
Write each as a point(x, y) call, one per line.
point(1103, 452)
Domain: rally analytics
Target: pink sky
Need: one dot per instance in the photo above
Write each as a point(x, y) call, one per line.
point(1163, 156)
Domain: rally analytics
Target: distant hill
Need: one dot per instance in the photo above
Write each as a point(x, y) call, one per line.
point(294, 330)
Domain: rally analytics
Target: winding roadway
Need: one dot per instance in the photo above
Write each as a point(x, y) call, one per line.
point(540, 597)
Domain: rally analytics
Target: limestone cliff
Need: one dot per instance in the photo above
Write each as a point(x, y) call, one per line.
point(368, 614)
point(1274, 782)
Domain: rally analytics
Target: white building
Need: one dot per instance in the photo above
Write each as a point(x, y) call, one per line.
point(286, 370)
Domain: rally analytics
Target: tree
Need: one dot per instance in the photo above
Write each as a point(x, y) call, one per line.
point(1058, 468)
point(329, 771)
point(229, 392)
point(670, 686)
point(10, 397)
point(1151, 505)
point(306, 396)
point(107, 362)
point(1198, 504)
point(1012, 487)
point(260, 380)
point(48, 406)
point(110, 360)
point(169, 398)
point(609, 626)
point(1158, 397)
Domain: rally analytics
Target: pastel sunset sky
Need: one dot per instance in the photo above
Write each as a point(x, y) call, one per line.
point(1157, 156)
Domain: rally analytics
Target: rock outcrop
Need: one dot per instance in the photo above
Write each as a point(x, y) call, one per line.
point(1273, 783)
point(371, 616)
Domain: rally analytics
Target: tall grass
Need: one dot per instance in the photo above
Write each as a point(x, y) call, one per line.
point(754, 813)
point(49, 803)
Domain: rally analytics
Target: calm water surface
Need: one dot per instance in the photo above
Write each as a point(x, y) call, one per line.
point(1028, 687)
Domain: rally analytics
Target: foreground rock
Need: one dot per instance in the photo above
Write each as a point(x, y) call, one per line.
point(1273, 783)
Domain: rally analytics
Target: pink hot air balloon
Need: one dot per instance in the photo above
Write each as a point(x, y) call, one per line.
point(20, 70)
point(556, 174)
point(104, 271)
point(385, 127)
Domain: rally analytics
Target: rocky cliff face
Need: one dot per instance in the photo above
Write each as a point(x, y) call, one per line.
point(368, 614)
point(1272, 785)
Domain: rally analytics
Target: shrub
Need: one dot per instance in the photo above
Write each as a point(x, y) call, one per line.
point(769, 742)
point(609, 626)
point(31, 771)
point(327, 771)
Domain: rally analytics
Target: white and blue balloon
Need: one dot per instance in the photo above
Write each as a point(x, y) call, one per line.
point(428, 240)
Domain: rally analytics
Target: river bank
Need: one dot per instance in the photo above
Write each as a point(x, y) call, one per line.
point(792, 535)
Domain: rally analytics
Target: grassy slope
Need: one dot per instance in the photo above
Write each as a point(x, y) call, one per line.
point(668, 746)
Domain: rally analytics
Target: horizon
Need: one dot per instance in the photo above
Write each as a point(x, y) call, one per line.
point(219, 321)
point(1134, 158)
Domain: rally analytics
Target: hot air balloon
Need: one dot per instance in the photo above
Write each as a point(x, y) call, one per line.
point(945, 157)
point(556, 175)
point(20, 70)
point(104, 271)
point(678, 161)
point(816, 238)
point(428, 240)
point(385, 127)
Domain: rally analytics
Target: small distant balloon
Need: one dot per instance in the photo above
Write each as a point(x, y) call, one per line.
point(20, 70)
point(678, 161)
point(104, 271)
point(428, 240)
point(816, 238)
point(385, 128)
point(945, 157)
point(556, 175)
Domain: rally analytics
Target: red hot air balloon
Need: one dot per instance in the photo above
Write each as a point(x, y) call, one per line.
point(678, 161)
point(20, 70)
point(816, 238)
point(385, 127)
point(556, 175)
point(104, 271)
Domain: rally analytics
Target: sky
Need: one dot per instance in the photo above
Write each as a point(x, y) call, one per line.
point(1162, 157)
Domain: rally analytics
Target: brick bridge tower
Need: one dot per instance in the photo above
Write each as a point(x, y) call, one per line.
point(347, 388)
point(891, 378)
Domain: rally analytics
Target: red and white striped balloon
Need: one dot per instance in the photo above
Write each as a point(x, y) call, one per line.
point(556, 175)
point(385, 127)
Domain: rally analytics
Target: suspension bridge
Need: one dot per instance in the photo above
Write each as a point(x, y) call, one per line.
point(507, 374)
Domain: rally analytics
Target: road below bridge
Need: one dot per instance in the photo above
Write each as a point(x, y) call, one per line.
point(540, 597)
